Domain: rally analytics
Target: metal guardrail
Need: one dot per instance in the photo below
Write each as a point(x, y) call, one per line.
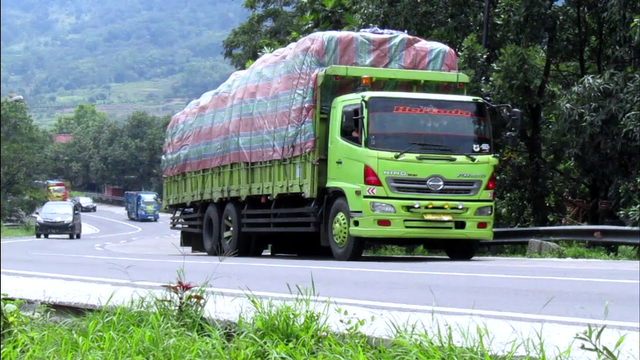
point(108, 198)
point(595, 234)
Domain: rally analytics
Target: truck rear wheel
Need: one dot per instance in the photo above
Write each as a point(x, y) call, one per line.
point(211, 231)
point(461, 249)
point(343, 246)
point(233, 241)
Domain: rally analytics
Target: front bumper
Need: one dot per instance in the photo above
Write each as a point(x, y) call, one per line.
point(409, 222)
point(148, 216)
point(55, 228)
point(88, 208)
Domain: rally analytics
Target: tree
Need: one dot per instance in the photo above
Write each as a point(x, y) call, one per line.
point(598, 132)
point(21, 157)
point(267, 28)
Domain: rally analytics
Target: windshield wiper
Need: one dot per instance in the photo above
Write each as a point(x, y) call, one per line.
point(413, 144)
point(432, 146)
point(448, 149)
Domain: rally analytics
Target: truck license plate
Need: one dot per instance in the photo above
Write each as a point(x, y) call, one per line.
point(438, 217)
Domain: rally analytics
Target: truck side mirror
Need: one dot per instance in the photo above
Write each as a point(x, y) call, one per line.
point(515, 119)
point(511, 139)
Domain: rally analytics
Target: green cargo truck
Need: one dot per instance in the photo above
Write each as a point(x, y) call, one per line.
point(339, 141)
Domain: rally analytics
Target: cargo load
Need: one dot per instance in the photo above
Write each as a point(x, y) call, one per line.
point(265, 112)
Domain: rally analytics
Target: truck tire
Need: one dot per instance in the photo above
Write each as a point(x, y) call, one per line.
point(343, 246)
point(461, 249)
point(233, 241)
point(211, 231)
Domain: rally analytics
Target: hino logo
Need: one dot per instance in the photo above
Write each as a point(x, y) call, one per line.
point(472, 176)
point(390, 172)
point(435, 183)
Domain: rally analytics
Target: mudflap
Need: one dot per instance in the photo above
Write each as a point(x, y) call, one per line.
point(185, 239)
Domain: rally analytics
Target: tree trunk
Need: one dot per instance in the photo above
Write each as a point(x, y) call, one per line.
point(538, 180)
point(594, 196)
point(538, 189)
point(581, 39)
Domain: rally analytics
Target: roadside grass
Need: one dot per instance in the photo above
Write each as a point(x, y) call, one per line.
point(74, 193)
point(175, 327)
point(28, 229)
point(573, 250)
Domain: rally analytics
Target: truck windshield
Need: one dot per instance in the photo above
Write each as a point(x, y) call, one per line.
point(426, 125)
point(50, 208)
point(148, 200)
point(57, 189)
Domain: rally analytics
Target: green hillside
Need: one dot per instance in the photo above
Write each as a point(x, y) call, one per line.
point(151, 55)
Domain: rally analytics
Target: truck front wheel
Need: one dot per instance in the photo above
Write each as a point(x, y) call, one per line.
point(211, 230)
point(461, 249)
point(343, 246)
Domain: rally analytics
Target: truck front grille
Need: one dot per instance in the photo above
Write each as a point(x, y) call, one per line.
point(419, 187)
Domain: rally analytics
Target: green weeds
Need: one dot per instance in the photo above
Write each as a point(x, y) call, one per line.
point(173, 326)
point(28, 229)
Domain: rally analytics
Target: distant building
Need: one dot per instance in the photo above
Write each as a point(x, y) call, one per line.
point(62, 138)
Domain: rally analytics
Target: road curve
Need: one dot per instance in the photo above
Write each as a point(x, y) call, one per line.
point(570, 291)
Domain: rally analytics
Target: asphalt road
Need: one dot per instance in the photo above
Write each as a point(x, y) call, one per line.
point(115, 248)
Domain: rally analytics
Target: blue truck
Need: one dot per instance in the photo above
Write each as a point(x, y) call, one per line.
point(142, 205)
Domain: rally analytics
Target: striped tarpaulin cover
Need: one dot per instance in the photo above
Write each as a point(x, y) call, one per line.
point(265, 112)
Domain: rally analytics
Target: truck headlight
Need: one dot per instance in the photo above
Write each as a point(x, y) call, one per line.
point(484, 211)
point(378, 207)
point(68, 220)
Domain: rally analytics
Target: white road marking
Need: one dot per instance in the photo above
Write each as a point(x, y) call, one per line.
point(92, 229)
point(343, 269)
point(564, 263)
point(23, 240)
point(364, 303)
point(138, 229)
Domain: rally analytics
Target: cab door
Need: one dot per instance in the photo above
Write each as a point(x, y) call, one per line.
point(346, 151)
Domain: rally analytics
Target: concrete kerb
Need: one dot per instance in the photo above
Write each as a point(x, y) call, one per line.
point(379, 323)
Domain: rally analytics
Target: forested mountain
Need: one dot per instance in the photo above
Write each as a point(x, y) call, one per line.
point(152, 55)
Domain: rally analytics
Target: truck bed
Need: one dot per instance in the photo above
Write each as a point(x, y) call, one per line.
point(238, 180)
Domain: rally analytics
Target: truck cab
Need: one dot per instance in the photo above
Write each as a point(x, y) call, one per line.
point(142, 205)
point(412, 166)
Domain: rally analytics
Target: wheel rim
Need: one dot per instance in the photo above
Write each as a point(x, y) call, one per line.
point(340, 229)
point(227, 225)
